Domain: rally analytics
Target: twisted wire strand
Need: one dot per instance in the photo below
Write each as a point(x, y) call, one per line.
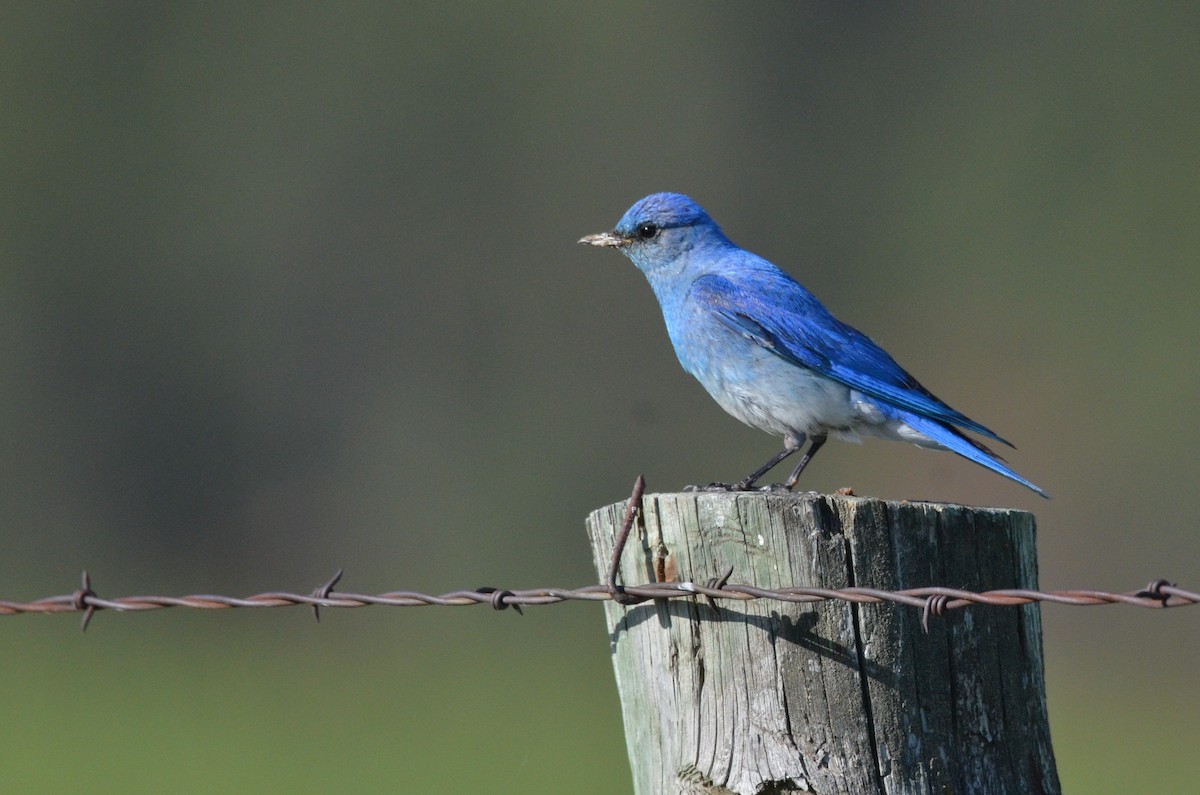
point(936, 599)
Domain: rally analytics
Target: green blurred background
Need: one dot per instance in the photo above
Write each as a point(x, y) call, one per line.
point(289, 287)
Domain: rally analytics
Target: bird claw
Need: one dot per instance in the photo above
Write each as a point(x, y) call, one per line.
point(774, 488)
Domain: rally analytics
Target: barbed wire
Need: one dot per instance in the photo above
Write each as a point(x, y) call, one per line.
point(931, 600)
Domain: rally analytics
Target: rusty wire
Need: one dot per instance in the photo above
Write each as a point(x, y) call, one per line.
point(931, 600)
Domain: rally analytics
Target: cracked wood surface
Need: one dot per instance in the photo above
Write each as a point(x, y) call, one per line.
point(768, 697)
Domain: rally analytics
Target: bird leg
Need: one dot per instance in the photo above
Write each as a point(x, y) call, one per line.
point(817, 441)
point(747, 483)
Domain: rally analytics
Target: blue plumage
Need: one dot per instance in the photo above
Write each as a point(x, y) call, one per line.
point(770, 353)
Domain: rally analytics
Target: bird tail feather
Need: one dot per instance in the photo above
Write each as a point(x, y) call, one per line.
point(956, 441)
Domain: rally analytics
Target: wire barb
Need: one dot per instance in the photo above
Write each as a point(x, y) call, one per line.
point(1158, 589)
point(500, 599)
point(323, 592)
point(935, 605)
point(716, 584)
point(80, 600)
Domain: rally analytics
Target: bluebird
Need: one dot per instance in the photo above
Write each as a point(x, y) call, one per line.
point(771, 354)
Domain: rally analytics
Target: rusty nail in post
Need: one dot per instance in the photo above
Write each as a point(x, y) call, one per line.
point(632, 508)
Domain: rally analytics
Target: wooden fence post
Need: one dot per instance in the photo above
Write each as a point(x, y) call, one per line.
point(763, 696)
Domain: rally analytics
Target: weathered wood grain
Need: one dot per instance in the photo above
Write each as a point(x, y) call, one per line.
point(769, 697)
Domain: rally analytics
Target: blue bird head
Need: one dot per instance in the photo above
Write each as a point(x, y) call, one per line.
point(657, 230)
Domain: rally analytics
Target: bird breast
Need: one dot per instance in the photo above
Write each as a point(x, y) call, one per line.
point(760, 388)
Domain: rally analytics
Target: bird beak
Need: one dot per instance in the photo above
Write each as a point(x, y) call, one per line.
point(610, 239)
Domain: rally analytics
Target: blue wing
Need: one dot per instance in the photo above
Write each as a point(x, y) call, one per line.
point(772, 309)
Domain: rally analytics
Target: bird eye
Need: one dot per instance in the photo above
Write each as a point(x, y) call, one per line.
point(647, 231)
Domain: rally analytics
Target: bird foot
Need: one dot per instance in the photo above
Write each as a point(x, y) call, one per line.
point(774, 488)
point(714, 487)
